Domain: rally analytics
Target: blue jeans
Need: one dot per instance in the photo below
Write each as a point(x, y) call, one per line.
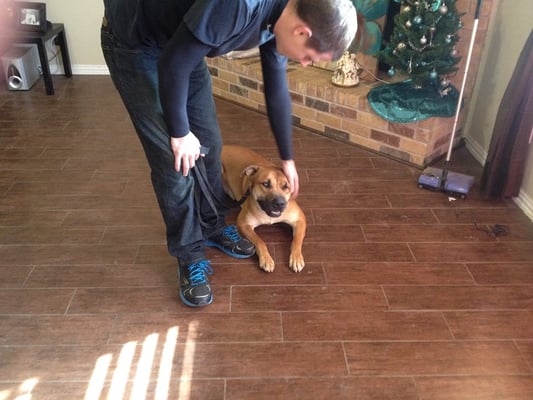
point(183, 205)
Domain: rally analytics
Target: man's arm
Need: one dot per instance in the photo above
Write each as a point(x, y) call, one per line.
point(277, 97)
point(278, 103)
point(182, 53)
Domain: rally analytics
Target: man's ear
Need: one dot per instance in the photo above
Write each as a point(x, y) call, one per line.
point(303, 30)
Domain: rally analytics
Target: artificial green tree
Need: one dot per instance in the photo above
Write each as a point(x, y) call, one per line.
point(423, 43)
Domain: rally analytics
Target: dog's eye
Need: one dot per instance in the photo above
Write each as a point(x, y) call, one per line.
point(286, 186)
point(267, 184)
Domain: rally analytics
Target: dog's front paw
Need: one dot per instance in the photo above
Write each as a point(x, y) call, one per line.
point(266, 263)
point(296, 262)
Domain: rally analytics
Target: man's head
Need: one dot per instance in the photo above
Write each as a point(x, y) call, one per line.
point(315, 30)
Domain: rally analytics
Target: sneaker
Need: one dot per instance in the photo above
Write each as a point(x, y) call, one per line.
point(195, 290)
point(231, 243)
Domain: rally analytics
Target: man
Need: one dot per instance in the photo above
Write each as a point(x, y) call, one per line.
point(155, 53)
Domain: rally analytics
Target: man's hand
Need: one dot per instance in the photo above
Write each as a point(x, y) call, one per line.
point(186, 151)
point(289, 167)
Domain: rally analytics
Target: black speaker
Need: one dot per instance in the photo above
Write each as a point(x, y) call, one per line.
point(21, 66)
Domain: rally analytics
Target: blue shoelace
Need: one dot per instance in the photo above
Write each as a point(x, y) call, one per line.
point(198, 271)
point(232, 234)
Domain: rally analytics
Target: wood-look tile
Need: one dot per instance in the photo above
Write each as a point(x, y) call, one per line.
point(396, 273)
point(69, 363)
point(201, 389)
point(138, 300)
point(473, 252)
point(494, 387)
point(231, 272)
point(306, 161)
point(7, 164)
point(314, 200)
point(357, 174)
point(406, 290)
point(439, 201)
point(434, 358)
point(343, 252)
point(325, 188)
point(31, 217)
point(41, 235)
point(66, 254)
point(475, 325)
point(306, 298)
point(516, 232)
point(13, 277)
point(34, 301)
point(136, 165)
point(80, 156)
point(459, 297)
point(334, 234)
point(43, 390)
point(124, 235)
point(526, 349)
point(424, 233)
point(153, 254)
point(54, 330)
point(382, 216)
point(102, 276)
point(502, 273)
point(54, 177)
point(385, 187)
point(59, 188)
point(112, 215)
point(364, 326)
point(198, 328)
point(261, 360)
point(488, 215)
point(21, 153)
point(90, 201)
point(345, 388)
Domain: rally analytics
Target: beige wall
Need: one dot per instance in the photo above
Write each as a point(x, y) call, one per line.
point(82, 19)
point(508, 31)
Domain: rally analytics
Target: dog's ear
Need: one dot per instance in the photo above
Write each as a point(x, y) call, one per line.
point(249, 170)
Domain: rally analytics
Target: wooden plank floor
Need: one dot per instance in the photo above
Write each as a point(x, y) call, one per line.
point(406, 294)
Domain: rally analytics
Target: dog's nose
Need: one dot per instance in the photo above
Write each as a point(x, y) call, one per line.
point(280, 203)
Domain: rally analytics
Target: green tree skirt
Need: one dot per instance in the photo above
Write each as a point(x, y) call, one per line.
point(402, 102)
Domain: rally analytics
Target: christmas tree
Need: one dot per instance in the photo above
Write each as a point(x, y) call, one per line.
point(422, 43)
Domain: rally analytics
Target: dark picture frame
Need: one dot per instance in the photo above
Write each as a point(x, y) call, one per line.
point(30, 16)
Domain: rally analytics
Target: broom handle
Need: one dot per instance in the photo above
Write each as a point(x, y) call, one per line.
point(460, 100)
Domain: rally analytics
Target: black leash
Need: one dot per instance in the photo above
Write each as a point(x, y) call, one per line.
point(204, 188)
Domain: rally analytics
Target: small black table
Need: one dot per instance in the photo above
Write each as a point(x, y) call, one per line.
point(40, 39)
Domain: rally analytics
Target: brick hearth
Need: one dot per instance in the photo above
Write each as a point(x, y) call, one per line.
point(336, 112)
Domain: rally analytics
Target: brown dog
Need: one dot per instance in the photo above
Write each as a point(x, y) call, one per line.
point(266, 197)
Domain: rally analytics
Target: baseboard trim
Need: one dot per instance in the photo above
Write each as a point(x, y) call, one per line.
point(476, 150)
point(90, 70)
point(525, 203)
point(78, 69)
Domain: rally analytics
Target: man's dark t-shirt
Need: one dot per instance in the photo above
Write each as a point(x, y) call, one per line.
point(188, 31)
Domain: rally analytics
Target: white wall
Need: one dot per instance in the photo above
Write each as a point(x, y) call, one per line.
point(506, 36)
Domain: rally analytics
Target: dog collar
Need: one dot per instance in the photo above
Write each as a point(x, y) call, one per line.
point(244, 197)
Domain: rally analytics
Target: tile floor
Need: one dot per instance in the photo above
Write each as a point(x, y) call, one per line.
point(406, 294)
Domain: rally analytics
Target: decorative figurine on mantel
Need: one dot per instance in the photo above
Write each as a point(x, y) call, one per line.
point(346, 71)
point(370, 14)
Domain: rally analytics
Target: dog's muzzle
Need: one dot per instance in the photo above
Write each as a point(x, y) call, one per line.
point(273, 207)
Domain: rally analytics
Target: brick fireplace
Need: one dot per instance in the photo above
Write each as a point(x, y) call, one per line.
point(344, 113)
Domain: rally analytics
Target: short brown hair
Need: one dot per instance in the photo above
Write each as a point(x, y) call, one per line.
point(333, 23)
